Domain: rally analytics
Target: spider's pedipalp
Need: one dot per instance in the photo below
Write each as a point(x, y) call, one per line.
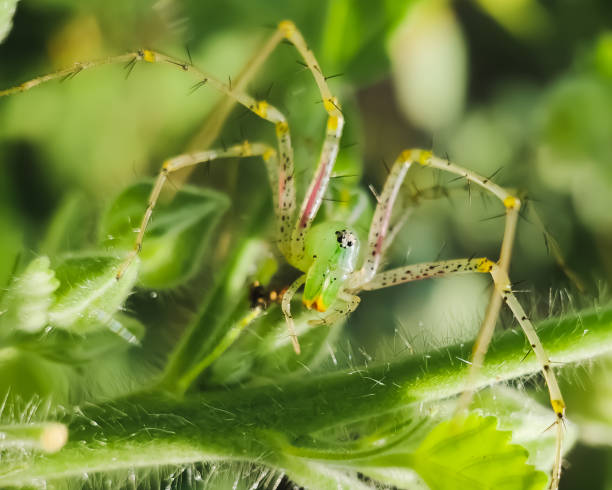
point(286, 307)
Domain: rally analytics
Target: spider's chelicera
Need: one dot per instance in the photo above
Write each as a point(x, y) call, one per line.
point(335, 267)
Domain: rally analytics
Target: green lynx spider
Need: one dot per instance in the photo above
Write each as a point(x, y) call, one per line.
point(328, 253)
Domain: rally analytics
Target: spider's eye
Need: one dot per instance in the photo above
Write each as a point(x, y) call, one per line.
point(345, 238)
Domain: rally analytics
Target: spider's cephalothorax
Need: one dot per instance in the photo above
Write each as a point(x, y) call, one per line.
point(334, 250)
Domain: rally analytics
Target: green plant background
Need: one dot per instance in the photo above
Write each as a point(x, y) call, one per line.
point(524, 93)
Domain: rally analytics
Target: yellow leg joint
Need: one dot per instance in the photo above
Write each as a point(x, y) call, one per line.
point(425, 157)
point(282, 128)
point(511, 202)
point(558, 406)
point(331, 105)
point(485, 265)
point(406, 156)
point(332, 123)
point(287, 28)
point(246, 149)
point(261, 109)
point(148, 56)
point(269, 153)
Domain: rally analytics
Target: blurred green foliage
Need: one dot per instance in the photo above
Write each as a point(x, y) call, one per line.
point(521, 90)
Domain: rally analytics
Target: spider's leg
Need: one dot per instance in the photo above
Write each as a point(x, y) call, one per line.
point(347, 304)
point(379, 229)
point(286, 307)
point(395, 228)
point(335, 123)
point(503, 291)
point(380, 226)
point(216, 118)
point(76, 68)
point(209, 132)
point(512, 205)
point(504, 287)
point(171, 165)
point(284, 175)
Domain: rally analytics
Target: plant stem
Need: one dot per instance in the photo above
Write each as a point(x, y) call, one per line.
point(209, 330)
point(149, 429)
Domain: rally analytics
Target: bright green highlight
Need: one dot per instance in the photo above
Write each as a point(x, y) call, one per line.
point(334, 250)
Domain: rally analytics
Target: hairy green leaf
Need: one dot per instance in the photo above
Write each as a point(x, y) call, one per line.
point(89, 293)
point(472, 453)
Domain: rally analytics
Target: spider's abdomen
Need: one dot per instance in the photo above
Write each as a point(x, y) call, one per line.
point(334, 250)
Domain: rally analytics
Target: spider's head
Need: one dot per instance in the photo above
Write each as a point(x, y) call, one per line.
point(334, 250)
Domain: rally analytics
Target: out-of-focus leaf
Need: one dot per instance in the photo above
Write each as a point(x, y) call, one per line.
point(25, 306)
point(68, 229)
point(7, 10)
point(67, 347)
point(576, 148)
point(89, 293)
point(354, 37)
point(473, 453)
point(177, 237)
point(428, 58)
point(527, 19)
point(27, 375)
point(603, 54)
point(589, 400)
point(67, 314)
